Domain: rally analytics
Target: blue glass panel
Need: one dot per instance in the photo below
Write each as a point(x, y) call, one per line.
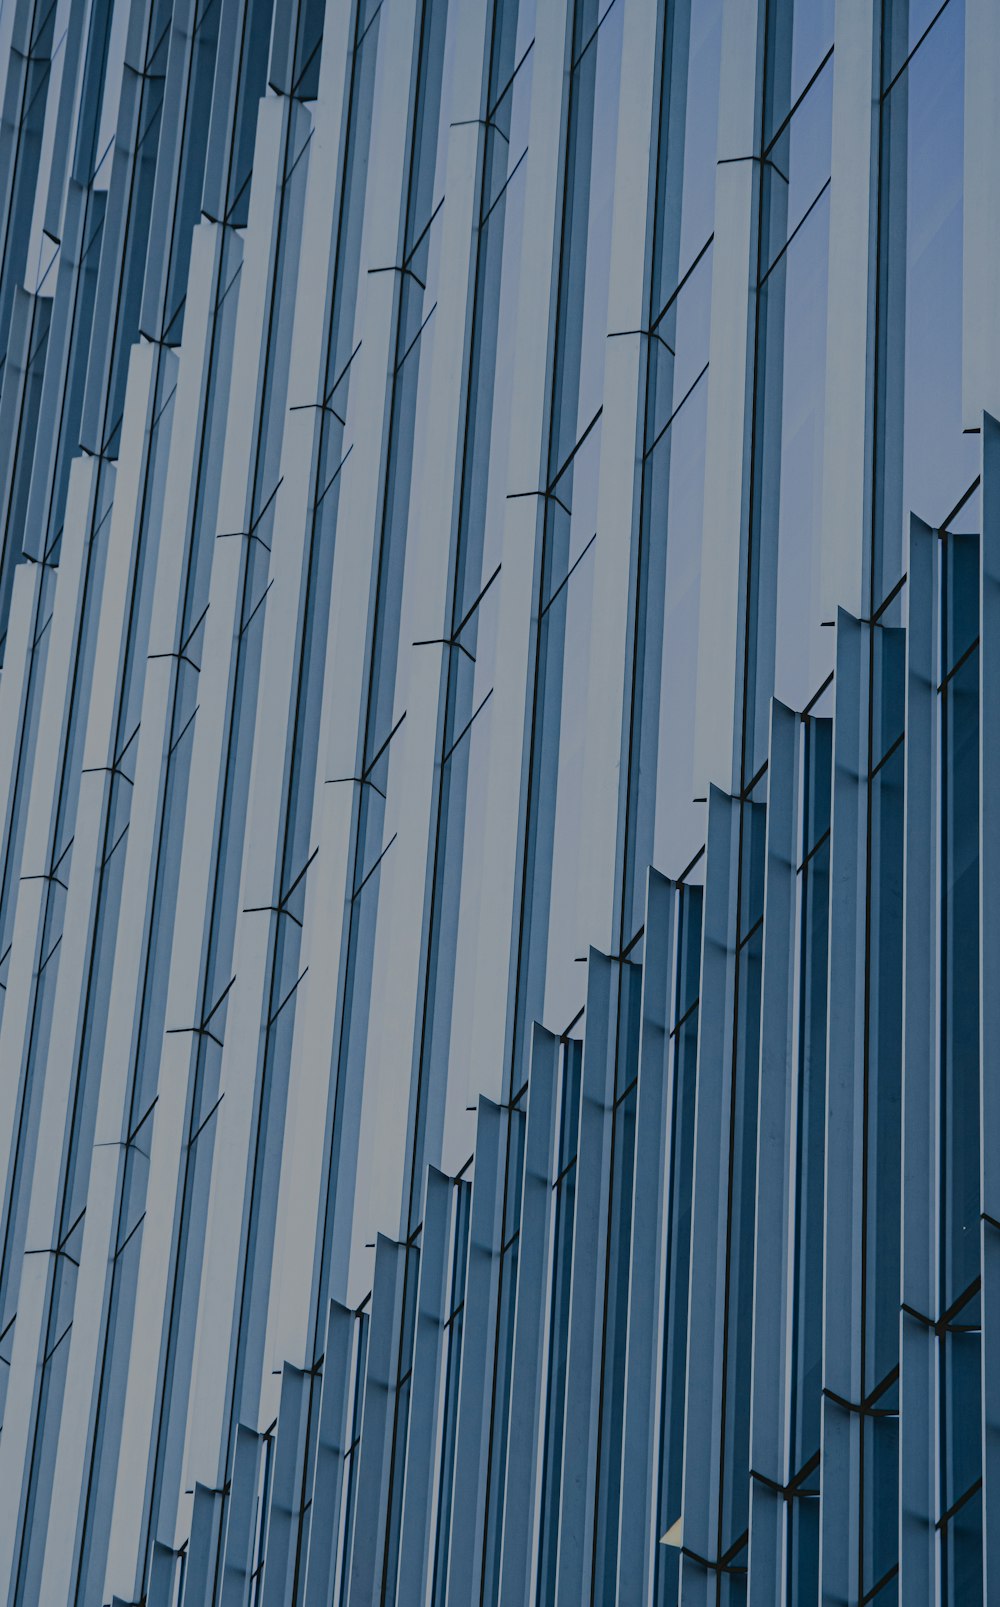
point(586, 249)
point(784, 557)
point(959, 940)
point(884, 1071)
point(925, 462)
point(799, 35)
point(881, 1480)
point(962, 1555)
point(688, 136)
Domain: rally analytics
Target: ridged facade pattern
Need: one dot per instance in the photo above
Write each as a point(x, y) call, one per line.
point(499, 846)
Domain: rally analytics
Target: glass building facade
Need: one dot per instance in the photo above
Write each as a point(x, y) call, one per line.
point(499, 870)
